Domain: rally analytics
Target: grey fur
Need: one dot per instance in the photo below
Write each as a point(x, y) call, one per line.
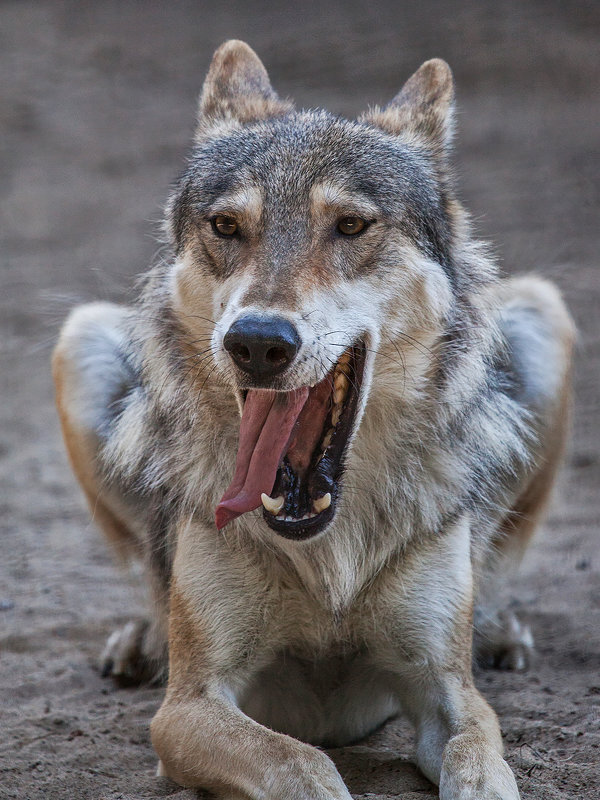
point(464, 375)
point(285, 157)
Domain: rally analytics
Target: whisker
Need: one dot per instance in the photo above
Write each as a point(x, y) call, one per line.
point(208, 376)
point(174, 371)
point(411, 340)
point(206, 338)
point(198, 316)
point(331, 333)
point(375, 352)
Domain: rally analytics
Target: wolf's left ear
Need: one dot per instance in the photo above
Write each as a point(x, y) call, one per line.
point(237, 89)
point(423, 108)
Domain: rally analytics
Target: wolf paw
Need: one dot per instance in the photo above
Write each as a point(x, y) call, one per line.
point(131, 658)
point(502, 641)
point(475, 773)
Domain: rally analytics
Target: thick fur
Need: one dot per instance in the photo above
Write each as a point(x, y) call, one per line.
point(462, 419)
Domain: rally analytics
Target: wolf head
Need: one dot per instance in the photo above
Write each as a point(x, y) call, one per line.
point(309, 251)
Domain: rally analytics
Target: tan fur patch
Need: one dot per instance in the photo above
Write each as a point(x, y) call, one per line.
point(188, 658)
point(82, 446)
point(246, 205)
point(328, 200)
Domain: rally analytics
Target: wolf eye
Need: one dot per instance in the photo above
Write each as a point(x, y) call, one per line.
point(350, 226)
point(223, 225)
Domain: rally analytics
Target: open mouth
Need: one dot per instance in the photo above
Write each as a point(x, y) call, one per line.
point(292, 449)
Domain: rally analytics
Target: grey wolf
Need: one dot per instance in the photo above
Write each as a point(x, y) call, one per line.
point(327, 427)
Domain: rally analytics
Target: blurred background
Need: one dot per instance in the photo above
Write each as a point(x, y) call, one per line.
point(97, 107)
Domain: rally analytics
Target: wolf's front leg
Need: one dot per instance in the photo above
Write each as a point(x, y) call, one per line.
point(459, 745)
point(218, 637)
point(203, 740)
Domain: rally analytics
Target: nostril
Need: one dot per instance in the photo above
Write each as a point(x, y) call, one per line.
point(277, 356)
point(241, 353)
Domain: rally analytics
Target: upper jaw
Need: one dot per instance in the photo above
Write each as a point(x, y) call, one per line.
point(290, 381)
point(293, 378)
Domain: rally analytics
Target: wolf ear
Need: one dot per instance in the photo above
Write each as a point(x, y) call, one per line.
point(237, 89)
point(423, 108)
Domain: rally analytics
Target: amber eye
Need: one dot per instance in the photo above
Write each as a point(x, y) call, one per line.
point(350, 226)
point(223, 225)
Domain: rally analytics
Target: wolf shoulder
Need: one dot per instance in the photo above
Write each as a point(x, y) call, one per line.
point(538, 334)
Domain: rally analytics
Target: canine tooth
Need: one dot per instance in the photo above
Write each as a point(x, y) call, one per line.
point(321, 503)
point(341, 381)
point(336, 414)
point(327, 440)
point(272, 504)
point(344, 359)
point(339, 395)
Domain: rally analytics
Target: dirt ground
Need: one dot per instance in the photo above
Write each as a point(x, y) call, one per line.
point(97, 108)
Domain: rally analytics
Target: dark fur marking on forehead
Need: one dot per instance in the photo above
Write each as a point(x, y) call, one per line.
point(287, 156)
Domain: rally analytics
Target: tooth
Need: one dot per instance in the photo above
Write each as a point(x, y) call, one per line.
point(339, 394)
point(335, 415)
point(341, 381)
point(327, 440)
point(340, 388)
point(272, 504)
point(321, 503)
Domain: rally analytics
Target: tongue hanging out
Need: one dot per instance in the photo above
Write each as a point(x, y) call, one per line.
point(273, 424)
point(267, 421)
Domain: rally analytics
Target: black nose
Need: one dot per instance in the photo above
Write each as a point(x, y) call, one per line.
point(262, 346)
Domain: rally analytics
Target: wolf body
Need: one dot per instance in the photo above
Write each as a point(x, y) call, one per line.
point(314, 259)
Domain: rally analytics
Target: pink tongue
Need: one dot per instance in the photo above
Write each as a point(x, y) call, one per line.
point(309, 427)
point(267, 422)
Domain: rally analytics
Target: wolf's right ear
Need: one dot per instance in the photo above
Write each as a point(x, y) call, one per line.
point(237, 89)
point(423, 108)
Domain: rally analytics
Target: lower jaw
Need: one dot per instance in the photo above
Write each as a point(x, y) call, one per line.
point(301, 529)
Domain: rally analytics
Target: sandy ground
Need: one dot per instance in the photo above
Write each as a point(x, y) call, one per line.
point(97, 109)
